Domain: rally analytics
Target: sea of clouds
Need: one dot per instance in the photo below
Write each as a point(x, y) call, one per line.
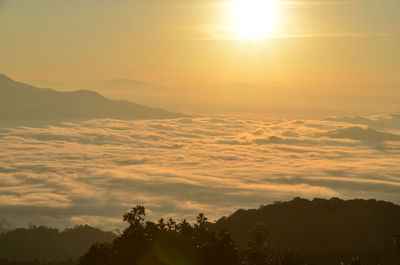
point(66, 173)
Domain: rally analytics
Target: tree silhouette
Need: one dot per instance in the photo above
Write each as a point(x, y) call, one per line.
point(157, 243)
point(135, 216)
point(164, 242)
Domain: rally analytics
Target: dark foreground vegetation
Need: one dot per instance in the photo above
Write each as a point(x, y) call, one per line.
point(168, 242)
point(311, 232)
point(48, 244)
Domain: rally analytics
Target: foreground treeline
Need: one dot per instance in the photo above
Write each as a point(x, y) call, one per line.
point(168, 243)
point(296, 232)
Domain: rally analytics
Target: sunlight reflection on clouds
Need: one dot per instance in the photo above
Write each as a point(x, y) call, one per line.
point(91, 171)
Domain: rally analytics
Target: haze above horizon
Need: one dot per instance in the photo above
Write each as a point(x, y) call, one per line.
point(312, 44)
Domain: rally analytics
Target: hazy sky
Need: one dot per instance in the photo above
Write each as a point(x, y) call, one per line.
point(324, 57)
point(326, 44)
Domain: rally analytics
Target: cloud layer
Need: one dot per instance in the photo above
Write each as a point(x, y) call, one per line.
point(92, 171)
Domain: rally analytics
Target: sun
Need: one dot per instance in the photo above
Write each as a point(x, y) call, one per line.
point(254, 19)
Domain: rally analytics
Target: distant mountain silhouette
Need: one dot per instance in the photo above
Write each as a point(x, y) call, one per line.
point(363, 134)
point(22, 101)
point(386, 122)
point(48, 244)
point(123, 83)
point(320, 223)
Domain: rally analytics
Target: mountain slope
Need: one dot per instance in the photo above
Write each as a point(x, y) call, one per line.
point(21, 101)
point(320, 223)
point(47, 244)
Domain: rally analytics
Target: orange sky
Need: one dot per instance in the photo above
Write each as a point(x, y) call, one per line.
point(349, 47)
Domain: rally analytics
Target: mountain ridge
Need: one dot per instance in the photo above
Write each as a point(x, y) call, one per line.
point(23, 101)
point(319, 223)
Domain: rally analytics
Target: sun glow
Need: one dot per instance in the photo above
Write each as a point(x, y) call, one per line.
point(254, 19)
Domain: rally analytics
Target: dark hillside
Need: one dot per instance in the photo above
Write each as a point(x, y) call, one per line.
point(48, 244)
point(320, 223)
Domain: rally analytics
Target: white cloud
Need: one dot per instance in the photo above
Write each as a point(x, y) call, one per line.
point(92, 171)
